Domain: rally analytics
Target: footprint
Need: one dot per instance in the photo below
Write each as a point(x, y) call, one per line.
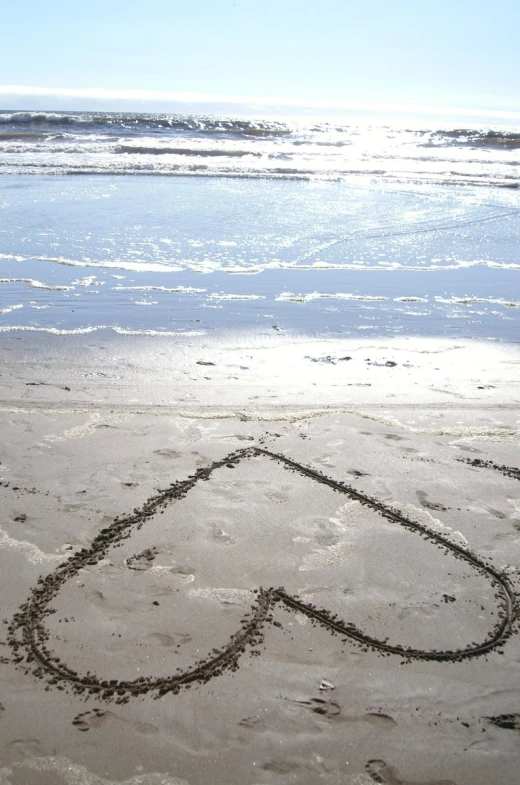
point(387, 775)
point(423, 498)
point(25, 747)
point(142, 561)
point(507, 721)
point(238, 437)
point(253, 723)
point(91, 719)
point(276, 496)
point(95, 718)
point(175, 640)
point(279, 766)
point(375, 718)
point(320, 706)
point(165, 452)
point(220, 535)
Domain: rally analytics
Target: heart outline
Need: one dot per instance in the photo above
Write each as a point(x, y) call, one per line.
point(28, 621)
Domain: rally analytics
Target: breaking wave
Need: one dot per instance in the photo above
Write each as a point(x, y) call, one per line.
point(124, 121)
point(171, 144)
point(479, 138)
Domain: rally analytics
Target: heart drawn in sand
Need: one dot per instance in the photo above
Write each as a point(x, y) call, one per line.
point(40, 648)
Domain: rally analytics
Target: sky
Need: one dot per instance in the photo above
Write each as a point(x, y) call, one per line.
point(260, 54)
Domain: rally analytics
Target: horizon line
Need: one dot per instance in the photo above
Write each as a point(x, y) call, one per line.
point(249, 102)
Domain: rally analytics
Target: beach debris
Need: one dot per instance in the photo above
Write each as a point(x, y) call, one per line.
point(142, 561)
point(326, 684)
point(204, 362)
point(327, 359)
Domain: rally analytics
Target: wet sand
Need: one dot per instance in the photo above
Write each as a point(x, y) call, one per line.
point(317, 584)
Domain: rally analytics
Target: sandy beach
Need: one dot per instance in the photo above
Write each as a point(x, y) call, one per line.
point(259, 394)
point(272, 563)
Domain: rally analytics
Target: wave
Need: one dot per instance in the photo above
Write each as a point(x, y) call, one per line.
point(136, 267)
point(223, 296)
point(471, 300)
point(96, 328)
point(127, 121)
point(40, 118)
point(36, 284)
point(10, 308)
point(127, 148)
point(307, 298)
point(173, 290)
point(23, 136)
point(127, 167)
point(479, 138)
point(254, 269)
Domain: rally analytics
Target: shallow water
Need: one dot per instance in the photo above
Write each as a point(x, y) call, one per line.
point(176, 254)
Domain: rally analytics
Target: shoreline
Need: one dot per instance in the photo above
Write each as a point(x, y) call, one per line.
point(259, 371)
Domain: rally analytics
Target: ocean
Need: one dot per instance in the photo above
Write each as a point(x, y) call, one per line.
point(182, 225)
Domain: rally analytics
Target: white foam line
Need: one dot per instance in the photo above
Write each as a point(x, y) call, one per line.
point(173, 290)
point(122, 265)
point(74, 774)
point(31, 552)
point(223, 595)
point(427, 519)
point(204, 267)
point(457, 431)
point(10, 308)
point(166, 333)
point(470, 300)
point(51, 330)
point(91, 329)
point(395, 266)
point(305, 298)
point(326, 557)
point(223, 296)
point(257, 416)
point(89, 280)
point(37, 284)
point(153, 267)
point(96, 421)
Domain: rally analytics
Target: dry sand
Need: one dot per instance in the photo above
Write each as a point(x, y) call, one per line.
point(300, 575)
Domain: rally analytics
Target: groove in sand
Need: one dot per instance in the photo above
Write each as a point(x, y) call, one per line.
point(29, 638)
